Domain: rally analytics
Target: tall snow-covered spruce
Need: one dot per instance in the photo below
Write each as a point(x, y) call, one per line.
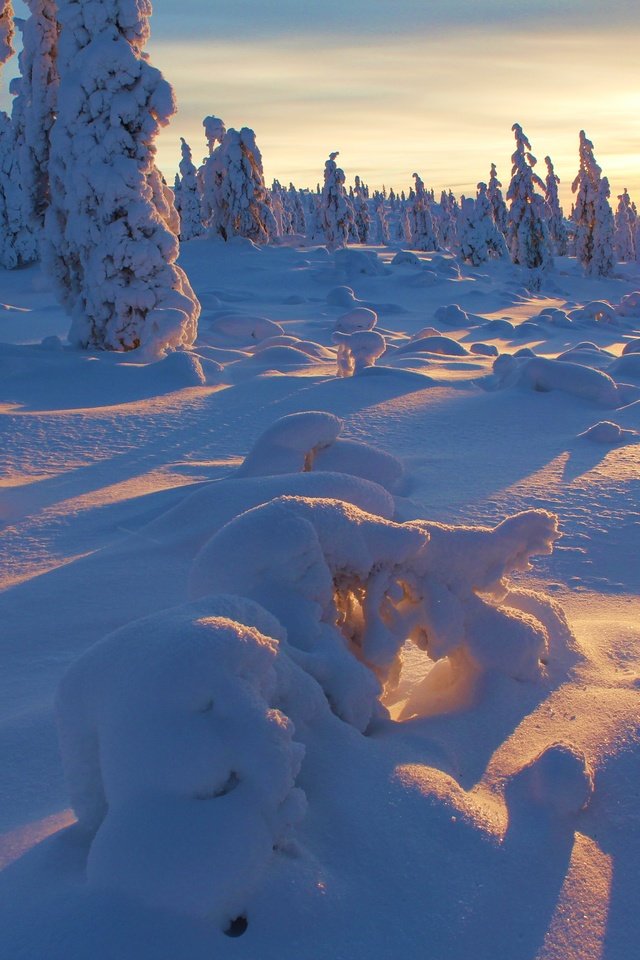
point(592, 214)
point(190, 215)
point(110, 231)
point(336, 213)
point(555, 218)
point(235, 201)
point(6, 132)
point(32, 118)
point(527, 234)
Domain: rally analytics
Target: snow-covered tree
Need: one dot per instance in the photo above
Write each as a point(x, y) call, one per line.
point(603, 259)
point(6, 31)
point(498, 206)
point(109, 242)
point(591, 204)
point(555, 216)
point(382, 227)
point(448, 221)
point(296, 210)
point(624, 234)
point(214, 131)
point(6, 137)
point(234, 195)
point(423, 233)
point(33, 115)
point(478, 235)
point(189, 204)
point(335, 211)
point(361, 211)
point(527, 234)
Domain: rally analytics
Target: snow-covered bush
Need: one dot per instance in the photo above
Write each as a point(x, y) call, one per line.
point(555, 217)
point(350, 588)
point(527, 234)
point(336, 214)
point(358, 350)
point(234, 195)
point(542, 375)
point(179, 761)
point(190, 213)
point(110, 238)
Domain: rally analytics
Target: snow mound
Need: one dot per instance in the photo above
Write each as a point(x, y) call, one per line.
point(357, 351)
point(309, 441)
point(406, 258)
point(596, 311)
point(341, 297)
point(361, 318)
point(484, 349)
point(629, 305)
point(500, 327)
point(452, 316)
point(359, 262)
point(605, 431)
point(195, 836)
point(543, 375)
point(632, 346)
point(194, 520)
point(626, 366)
point(237, 329)
point(445, 346)
point(291, 444)
point(559, 779)
point(361, 460)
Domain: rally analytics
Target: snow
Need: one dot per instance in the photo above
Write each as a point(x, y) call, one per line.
point(321, 614)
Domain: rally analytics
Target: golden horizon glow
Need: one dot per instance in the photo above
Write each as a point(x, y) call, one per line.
point(441, 104)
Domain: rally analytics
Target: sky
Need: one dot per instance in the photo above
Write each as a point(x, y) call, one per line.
point(398, 86)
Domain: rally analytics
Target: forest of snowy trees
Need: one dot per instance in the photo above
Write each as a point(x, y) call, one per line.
point(80, 189)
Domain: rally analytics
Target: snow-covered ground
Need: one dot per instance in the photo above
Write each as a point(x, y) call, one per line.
point(494, 813)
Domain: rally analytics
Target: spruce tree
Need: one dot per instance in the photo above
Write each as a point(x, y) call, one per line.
point(189, 194)
point(624, 244)
point(110, 244)
point(555, 216)
point(423, 233)
point(592, 211)
point(235, 201)
point(335, 211)
point(498, 206)
point(527, 235)
point(603, 259)
point(7, 254)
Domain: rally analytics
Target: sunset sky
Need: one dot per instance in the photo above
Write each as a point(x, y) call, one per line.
point(404, 85)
